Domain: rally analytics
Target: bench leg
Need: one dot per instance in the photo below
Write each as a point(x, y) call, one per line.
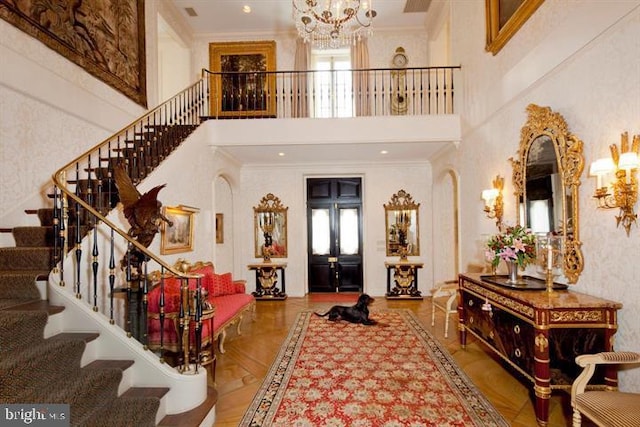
point(238, 326)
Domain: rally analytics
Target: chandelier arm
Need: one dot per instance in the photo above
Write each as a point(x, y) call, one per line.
point(331, 27)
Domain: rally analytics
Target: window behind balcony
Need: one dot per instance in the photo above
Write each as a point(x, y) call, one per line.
point(332, 89)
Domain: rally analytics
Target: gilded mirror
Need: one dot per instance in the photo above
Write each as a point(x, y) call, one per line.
point(401, 222)
point(270, 228)
point(546, 178)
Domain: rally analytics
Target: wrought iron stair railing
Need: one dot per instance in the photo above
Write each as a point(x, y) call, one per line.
point(84, 195)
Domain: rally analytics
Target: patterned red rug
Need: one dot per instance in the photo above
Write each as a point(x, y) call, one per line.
point(391, 374)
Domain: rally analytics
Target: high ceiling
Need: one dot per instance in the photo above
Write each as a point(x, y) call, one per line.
point(275, 16)
point(224, 18)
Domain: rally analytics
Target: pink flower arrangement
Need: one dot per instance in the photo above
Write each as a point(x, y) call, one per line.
point(515, 244)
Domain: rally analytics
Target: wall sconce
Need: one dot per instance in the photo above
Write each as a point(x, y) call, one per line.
point(621, 190)
point(493, 203)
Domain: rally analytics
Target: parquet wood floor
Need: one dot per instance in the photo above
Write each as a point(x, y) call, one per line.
point(242, 368)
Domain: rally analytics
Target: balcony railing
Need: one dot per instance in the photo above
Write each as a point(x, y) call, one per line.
point(336, 93)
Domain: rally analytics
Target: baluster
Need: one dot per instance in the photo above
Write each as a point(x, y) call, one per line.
point(57, 254)
point(198, 321)
point(64, 218)
point(128, 256)
point(375, 93)
point(421, 93)
point(183, 322)
point(145, 304)
point(437, 93)
point(429, 92)
point(94, 265)
point(78, 235)
point(161, 304)
point(451, 91)
point(112, 277)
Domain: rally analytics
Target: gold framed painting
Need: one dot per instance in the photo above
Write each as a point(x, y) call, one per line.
point(219, 228)
point(243, 83)
point(504, 19)
point(106, 38)
point(178, 235)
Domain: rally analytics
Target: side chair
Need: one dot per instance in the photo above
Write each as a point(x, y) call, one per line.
point(604, 408)
point(449, 290)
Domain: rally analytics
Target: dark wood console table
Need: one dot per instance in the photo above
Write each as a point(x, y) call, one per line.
point(266, 280)
point(405, 277)
point(538, 333)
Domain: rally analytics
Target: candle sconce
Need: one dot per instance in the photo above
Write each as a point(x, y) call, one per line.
point(270, 218)
point(549, 257)
point(617, 181)
point(493, 202)
point(401, 220)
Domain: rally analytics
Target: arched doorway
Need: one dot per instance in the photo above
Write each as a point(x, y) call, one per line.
point(446, 227)
point(223, 225)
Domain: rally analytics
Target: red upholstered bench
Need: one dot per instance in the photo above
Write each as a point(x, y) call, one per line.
point(227, 296)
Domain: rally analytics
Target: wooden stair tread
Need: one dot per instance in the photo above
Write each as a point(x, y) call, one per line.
point(83, 336)
point(35, 273)
point(40, 305)
point(146, 392)
point(195, 416)
point(109, 363)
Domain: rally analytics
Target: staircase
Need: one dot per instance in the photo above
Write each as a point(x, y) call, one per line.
point(43, 357)
point(30, 364)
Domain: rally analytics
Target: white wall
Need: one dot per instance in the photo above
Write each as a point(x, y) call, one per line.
point(583, 60)
point(380, 182)
point(50, 112)
point(381, 48)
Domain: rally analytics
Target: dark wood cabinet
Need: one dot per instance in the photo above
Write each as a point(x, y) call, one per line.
point(538, 333)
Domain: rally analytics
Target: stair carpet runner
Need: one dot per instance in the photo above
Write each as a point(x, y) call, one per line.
point(34, 370)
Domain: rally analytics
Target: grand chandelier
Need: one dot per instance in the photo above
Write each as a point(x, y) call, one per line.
point(333, 23)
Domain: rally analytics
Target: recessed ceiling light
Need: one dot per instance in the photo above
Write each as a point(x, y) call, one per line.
point(246, 8)
point(384, 152)
point(281, 154)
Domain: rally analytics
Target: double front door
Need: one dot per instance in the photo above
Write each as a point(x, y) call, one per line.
point(334, 218)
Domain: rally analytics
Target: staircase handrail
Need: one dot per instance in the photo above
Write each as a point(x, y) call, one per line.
point(60, 181)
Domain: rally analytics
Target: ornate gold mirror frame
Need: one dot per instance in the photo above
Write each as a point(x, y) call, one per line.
point(401, 221)
point(270, 228)
point(544, 126)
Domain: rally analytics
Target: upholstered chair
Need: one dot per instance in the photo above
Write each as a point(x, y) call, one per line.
point(604, 408)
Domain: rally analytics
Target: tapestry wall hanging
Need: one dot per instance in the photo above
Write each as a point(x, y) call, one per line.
point(104, 37)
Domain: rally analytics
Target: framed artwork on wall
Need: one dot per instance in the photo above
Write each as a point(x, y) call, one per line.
point(243, 83)
point(178, 236)
point(219, 228)
point(504, 18)
point(106, 38)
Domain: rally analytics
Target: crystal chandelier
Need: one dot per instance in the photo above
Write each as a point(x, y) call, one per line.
point(333, 23)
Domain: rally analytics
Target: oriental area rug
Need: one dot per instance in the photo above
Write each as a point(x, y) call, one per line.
point(387, 375)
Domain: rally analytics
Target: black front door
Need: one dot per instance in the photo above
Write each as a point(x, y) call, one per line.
point(334, 218)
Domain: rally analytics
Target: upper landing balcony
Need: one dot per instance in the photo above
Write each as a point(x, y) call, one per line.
point(343, 114)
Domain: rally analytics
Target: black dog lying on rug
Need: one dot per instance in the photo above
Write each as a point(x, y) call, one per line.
point(358, 313)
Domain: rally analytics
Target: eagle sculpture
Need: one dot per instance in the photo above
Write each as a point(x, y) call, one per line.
point(142, 211)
